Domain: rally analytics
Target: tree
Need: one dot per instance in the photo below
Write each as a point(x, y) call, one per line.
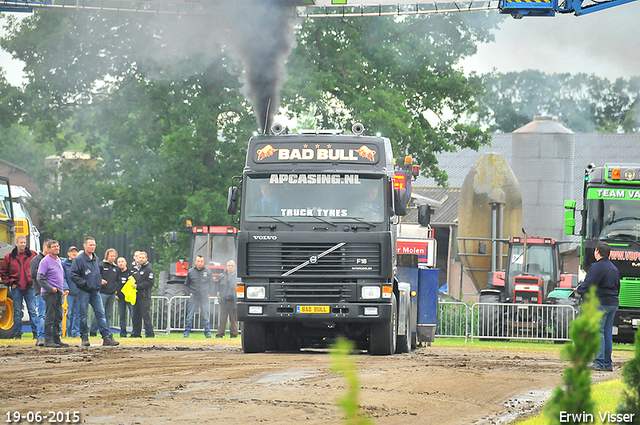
point(396, 76)
point(168, 135)
point(574, 396)
point(157, 103)
point(631, 379)
point(583, 103)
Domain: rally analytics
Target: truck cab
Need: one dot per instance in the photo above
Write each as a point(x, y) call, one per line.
point(317, 240)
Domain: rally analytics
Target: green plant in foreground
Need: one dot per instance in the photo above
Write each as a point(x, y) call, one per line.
point(345, 365)
point(574, 397)
point(631, 379)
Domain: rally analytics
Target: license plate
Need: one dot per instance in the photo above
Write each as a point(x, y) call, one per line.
point(313, 309)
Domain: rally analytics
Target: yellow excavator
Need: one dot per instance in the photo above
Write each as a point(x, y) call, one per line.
point(10, 228)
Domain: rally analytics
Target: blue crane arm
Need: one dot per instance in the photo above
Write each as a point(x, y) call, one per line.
point(335, 8)
point(521, 8)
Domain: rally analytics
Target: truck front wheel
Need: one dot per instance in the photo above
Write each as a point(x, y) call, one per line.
point(383, 336)
point(253, 337)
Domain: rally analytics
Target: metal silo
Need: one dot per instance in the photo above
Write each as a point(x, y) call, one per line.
point(490, 207)
point(542, 155)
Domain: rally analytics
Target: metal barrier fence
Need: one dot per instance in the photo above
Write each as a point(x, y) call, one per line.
point(521, 321)
point(454, 319)
point(177, 314)
point(169, 314)
point(505, 321)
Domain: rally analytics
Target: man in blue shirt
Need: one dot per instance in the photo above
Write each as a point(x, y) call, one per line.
point(604, 275)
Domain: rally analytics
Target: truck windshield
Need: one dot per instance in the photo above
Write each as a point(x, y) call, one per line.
point(216, 249)
point(613, 219)
point(314, 197)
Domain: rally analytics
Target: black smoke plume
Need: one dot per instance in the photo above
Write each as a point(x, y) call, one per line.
point(262, 33)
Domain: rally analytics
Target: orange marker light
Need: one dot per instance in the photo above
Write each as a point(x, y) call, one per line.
point(615, 174)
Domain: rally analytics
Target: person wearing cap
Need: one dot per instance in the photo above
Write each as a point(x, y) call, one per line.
point(73, 327)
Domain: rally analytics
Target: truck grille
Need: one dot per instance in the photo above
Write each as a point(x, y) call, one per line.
point(630, 292)
point(273, 259)
point(326, 293)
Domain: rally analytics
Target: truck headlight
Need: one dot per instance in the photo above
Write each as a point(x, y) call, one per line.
point(370, 292)
point(255, 292)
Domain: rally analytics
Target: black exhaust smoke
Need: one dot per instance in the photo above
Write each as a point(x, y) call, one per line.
point(263, 35)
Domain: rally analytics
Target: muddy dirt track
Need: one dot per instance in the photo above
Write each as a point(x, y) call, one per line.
point(193, 384)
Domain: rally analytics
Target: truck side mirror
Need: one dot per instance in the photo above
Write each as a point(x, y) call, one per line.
point(569, 217)
point(424, 215)
point(232, 200)
point(173, 236)
point(400, 201)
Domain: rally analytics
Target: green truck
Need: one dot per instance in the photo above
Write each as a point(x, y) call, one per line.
point(611, 213)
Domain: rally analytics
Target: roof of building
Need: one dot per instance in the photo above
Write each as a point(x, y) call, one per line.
point(8, 164)
point(445, 214)
point(597, 148)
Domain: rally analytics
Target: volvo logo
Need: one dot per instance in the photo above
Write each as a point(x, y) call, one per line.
point(265, 238)
point(313, 259)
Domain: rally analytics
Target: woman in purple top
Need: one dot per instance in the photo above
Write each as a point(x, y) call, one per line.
point(51, 280)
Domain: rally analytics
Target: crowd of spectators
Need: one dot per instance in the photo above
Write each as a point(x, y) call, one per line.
point(47, 283)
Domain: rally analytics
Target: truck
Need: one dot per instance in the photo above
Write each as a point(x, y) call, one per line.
point(317, 242)
point(10, 228)
point(532, 277)
point(611, 213)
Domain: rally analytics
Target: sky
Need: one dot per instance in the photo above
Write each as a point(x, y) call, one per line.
point(602, 43)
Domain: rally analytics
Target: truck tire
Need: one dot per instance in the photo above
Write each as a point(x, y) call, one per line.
point(253, 337)
point(383, 336)
point(163, 277)
point(490, 320)
point(562, 317)
point(404, 344)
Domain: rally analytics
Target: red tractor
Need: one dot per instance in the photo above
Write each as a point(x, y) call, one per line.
point(217, 244)
point(532, 278)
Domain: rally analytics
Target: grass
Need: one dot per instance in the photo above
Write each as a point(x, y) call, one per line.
point(197, 338)
point(175, 338)
point(524, 346)
point(607, 396)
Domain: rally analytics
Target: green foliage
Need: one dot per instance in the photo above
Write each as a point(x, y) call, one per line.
point(166, 127)
point(631, 378)
point(157, 103)
point(345, 365)
point(396, 76)
point(583, 103)
point(575, 394)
